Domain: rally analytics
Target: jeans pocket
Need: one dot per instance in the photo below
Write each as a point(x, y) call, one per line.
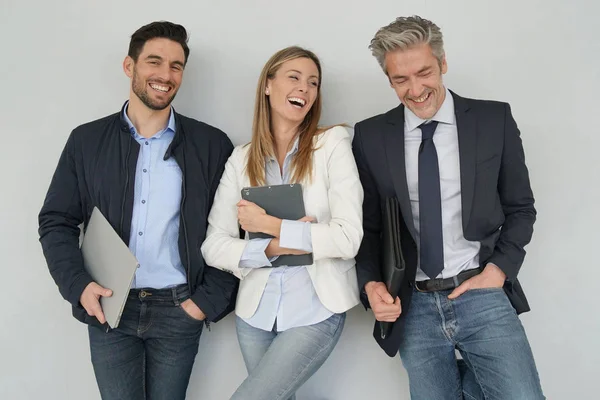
point(188, 316)
point(331, 325)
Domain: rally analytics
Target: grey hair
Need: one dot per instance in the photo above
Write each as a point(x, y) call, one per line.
point(406, 32)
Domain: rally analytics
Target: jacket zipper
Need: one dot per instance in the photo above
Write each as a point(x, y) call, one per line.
point(185, 236)
point(126, 184)
point(124, 195)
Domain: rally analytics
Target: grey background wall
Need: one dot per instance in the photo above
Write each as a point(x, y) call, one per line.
point(60, 66)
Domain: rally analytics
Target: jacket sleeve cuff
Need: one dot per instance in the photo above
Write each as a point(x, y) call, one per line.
point(216, 293)
point(203, 304)
point(502, 262)
point(78, 287)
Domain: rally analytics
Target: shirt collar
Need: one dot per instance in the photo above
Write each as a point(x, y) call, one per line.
point(292, 151)
point(170, 125)
point(444, 115)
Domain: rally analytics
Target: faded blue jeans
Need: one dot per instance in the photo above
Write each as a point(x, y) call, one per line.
point(278, 363)
point(483, 326)
point(151, 353)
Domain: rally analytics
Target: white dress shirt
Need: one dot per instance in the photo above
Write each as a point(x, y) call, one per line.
point(459, 253)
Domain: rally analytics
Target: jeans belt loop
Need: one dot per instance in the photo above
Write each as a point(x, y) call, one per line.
point(175, 297)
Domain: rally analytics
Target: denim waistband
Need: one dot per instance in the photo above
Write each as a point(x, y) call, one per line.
point(175, 295)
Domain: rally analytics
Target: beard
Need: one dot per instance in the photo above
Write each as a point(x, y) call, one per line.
point(140, 88)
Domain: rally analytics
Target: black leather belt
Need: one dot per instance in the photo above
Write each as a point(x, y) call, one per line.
point(433, 285)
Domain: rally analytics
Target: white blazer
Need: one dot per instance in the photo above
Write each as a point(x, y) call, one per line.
point(334, 198)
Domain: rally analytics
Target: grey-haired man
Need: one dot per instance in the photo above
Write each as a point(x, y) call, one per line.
point(457, 168)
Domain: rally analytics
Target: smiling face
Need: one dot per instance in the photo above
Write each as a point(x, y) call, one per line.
point(157, 73)
point(416, 76)
point(293, 90)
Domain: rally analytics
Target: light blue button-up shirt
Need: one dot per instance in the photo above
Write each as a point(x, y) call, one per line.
point(289, 297)
point(156, 207)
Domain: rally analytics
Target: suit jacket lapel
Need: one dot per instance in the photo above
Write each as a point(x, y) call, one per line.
point(394, 149)
point(466, 123)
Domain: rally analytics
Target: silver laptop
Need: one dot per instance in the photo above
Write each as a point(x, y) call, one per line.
point(110, 263)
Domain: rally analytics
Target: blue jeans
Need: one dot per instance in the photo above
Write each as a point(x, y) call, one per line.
point(485, 329)
point(278, 363)
point(151, 353)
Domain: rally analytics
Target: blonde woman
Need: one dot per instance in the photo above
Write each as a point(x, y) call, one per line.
point(289, 319)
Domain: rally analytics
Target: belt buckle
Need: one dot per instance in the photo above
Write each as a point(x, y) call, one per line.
point(419, 289)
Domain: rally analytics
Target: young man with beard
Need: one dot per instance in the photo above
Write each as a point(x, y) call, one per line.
point(153, 174)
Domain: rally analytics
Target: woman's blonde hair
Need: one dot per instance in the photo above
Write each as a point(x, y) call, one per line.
point(262, 145)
